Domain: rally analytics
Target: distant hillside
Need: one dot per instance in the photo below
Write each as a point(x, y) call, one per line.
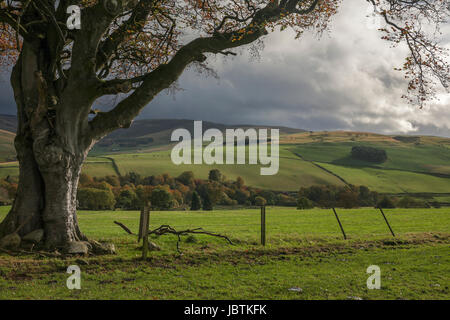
point(8, 122)
point(415, 165)
point(145, 134)
point(366, 137)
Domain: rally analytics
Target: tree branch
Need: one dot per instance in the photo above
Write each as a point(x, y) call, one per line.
point(166, 229)
point(134, 24)
point(162, 77)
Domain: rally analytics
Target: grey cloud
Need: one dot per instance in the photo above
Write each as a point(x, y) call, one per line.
point(343, 81)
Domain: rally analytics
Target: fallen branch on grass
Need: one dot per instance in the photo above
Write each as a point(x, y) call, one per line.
point(166, 229)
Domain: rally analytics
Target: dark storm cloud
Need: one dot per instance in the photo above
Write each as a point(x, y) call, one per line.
point(344, 81)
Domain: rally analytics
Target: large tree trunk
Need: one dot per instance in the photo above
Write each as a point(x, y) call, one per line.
point(50, 153)
point(46, 196)
point(59, 213)
point(29, 200)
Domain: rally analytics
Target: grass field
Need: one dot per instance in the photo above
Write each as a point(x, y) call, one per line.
point(429, 158)
point(99, 168)
point(293, 171)
point(401, 174)
point(305, 249)
point(390, 181)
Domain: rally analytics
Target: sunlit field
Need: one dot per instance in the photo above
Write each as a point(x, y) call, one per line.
point(304, 249)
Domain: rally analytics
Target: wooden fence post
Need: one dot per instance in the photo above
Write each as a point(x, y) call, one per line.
point(387, 222)
point(340, 225)
point(263, 225)
point(144, 224)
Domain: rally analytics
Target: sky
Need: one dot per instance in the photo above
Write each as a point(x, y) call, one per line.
point(343, 81)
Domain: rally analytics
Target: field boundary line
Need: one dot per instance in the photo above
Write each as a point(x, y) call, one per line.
point(322, 168)
point(114, 164)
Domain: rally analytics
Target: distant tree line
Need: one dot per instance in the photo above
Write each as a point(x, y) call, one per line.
point(185, 192)
point(335, 196)
point(164, 192)
point(354, 197)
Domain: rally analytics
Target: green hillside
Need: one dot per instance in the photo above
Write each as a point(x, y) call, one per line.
point(148, 134)
point(391, 181)
point(293, 171)
point(415, 164)
point(427, 158)
point(408, 170)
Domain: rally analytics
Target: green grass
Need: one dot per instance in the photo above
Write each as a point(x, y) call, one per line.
point(418, 158)
point(391, 181)
point(283, 224)
point(99, 168)
point(405, 171)
point(305, 249)
point(409, 168)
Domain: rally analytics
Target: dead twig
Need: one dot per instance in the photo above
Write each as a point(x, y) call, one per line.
point(166, 229)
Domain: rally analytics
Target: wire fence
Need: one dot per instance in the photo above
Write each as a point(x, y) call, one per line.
point(268, 224)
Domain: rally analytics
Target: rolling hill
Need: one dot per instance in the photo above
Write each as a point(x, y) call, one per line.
point(8, 122)
point(144, 134)
point(415, 165)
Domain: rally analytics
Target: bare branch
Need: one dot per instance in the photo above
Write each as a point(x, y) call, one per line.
point(166, 229)
point(163, 76)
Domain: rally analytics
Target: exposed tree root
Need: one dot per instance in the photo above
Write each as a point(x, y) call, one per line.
point(91, 247)
point(18, 252)
point(166, 229)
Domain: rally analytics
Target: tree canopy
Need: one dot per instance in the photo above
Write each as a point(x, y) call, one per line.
point(139, 48)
